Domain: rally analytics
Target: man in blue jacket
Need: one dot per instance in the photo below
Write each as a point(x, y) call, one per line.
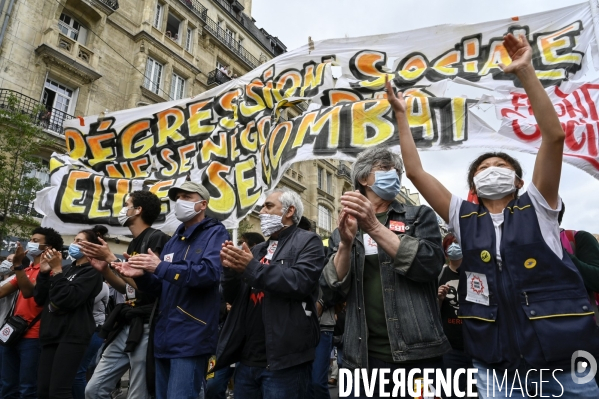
point(272, 329)
point(186, 277)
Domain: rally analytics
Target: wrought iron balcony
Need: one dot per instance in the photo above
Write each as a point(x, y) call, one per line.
point(344, 171)
point(232, 44)
point(197, 8)
point(112, 4)
point(48, 118)
point(217, 77)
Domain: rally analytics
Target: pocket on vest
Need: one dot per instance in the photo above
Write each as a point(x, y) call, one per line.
point(482, 338)
point(562, 323)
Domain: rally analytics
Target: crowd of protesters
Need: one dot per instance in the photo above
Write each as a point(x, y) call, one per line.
point(267, 312)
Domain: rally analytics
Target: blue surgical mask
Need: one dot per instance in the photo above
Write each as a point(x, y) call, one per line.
point(386, 184)
point(33, 249)
point(454, 252)
point(75, 252)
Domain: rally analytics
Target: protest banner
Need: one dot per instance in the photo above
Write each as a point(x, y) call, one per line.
point(238, 139)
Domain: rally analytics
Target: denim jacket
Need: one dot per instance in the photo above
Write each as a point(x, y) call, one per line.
point(409, 282)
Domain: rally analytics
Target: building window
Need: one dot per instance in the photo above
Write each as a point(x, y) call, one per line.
point(188, 40)
point(229, 36)
point(177, 87)
point(173, 25)
point(153, 75)
point(158, 16)
point(320, 178)
point(324, 218)
point(329, 183)
point(58, 101)
point(70, 27)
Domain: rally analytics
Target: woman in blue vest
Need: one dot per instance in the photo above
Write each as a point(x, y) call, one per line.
point(523, 303)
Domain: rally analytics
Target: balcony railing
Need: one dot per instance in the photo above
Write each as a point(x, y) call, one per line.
point(197, 8)
point(48, 118)
point(217, 77)
point(112, 4)
point(344, 171)
point(232, 44)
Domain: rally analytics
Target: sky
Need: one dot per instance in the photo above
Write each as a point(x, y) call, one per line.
point(294, 21)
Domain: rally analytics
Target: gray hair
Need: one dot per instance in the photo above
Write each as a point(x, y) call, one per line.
point(371, 157)
point(290, 198)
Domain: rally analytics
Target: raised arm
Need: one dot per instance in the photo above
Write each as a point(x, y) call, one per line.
point(548, 164)
point(429, 187)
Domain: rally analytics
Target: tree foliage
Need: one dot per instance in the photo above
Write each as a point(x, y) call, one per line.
point(21, 140)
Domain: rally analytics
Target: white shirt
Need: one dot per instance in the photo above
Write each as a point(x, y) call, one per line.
point(547, 221)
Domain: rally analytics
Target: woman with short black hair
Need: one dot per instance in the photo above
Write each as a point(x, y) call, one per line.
point(67, 323)
point(522, 302)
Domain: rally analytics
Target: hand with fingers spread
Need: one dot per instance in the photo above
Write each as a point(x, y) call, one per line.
point(348, 227)
point(519, 51)
point(357, 205)
point(100, 252)
point(98, 264)
point(397, 100)
point(20, 254)
point(51, 260)
point(235, 258)
point(125, 269)
point(145, 262)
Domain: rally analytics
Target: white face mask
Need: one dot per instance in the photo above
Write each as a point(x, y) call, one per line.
point(185, 210)
point(270, 224)
point(123, 216)
point(5, 267)
point(495, 182)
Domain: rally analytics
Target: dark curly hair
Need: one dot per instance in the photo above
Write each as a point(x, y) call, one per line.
point(51, 237)
point(476, 163)
point(93, 235)
point(149, 203)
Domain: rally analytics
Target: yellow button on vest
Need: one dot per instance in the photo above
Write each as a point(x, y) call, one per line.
point(530, 263)
point(485, 256)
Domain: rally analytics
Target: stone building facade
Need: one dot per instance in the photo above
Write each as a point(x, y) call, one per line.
point(86, 57)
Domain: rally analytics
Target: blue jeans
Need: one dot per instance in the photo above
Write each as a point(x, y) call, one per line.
point(319, 387)
point(456, 359)
point(554, 384)
point(260, 383)
point(19, 369)
point(216, 387)
point(90, 356)
point(181, 378)
point(374, 363)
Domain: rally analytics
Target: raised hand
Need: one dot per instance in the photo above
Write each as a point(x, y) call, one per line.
point(51, 260)
point(358, 206)
point(148, 262)
point(20, 254)
point(235, 258)
point(519, 51)
point(101, 252)
point(348, 227)
point(98, 264)
point(397, 101)
point(125, 269)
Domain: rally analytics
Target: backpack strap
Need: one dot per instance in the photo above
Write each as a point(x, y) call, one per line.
point(146, 240)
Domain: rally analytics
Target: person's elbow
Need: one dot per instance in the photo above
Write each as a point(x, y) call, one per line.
point(27, 294)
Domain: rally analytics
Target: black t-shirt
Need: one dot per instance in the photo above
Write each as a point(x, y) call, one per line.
point(157, 240)
point(254, 348)
point(452, 326)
